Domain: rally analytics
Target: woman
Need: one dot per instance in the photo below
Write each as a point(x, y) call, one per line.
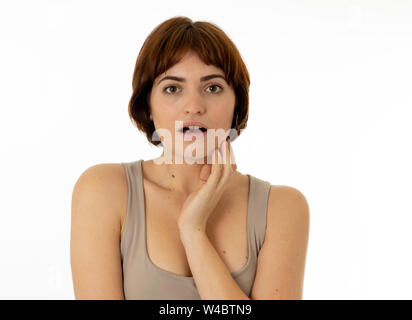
point(191, 229)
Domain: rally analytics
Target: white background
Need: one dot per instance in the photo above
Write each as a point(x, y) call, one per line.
point(330, 114)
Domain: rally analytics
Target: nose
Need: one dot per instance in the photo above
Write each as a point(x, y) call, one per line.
point(194, 104)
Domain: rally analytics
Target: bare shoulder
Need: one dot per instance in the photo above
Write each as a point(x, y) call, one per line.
point(288, 203)
point(97, 200)
point(102, 173)
point(107, 182)
point(288, 212)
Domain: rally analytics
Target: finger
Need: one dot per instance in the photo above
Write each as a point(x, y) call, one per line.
point(231, 155)
point(227, 168)
point(219, 160)
point(205, 172)
point(232, 158)
point(215, 174)
point(226, 151)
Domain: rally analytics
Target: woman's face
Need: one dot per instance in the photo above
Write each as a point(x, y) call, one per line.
point(211, 101)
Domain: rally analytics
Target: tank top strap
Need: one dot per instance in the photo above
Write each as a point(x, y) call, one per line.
point(257, 212)
point(132, 233)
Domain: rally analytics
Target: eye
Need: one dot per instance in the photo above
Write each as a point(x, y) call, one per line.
point(165, 89)
point(215, 85)
point(175, 87)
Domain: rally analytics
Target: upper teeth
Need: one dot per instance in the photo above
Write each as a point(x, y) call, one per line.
point(194, 127)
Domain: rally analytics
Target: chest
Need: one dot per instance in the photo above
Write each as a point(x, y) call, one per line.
point(227, 230)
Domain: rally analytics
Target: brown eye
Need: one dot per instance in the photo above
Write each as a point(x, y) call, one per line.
point(215, 85)
point(165, 89)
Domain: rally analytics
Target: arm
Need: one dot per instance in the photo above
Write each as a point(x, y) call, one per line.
point(95, 233)
point(281, 261)
point(213, 279)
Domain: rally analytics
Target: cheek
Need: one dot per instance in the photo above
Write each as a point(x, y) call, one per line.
point(222, 114)
point(165, 112)
point(161, 105)
point(227, 106)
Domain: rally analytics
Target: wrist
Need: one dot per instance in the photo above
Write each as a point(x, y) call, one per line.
point(187, 233)
point(190, 227)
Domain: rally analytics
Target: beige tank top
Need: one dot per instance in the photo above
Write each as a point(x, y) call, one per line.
point(143, 280)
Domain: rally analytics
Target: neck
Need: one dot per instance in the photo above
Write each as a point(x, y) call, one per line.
point(181, 178)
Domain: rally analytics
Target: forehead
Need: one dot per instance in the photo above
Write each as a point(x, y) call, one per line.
point(190, 66)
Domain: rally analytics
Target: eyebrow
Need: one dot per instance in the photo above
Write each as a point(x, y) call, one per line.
point(205, 78)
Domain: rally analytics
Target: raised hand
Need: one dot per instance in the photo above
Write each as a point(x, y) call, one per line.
point(213, 181)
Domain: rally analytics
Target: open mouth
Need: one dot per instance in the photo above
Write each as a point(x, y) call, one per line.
point(193, 129)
